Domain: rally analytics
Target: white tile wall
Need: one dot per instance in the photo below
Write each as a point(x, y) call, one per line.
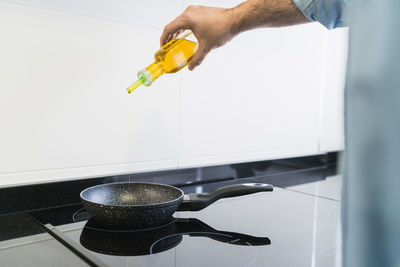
point(149, 13)
point(64, 111)
point(255, 98)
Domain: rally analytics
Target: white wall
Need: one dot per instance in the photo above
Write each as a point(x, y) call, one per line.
point(64, 111)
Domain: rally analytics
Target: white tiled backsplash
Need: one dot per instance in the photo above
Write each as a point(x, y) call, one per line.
point(65, 113)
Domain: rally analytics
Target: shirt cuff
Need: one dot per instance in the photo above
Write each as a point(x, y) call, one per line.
point(303, 5)
point(330, 13)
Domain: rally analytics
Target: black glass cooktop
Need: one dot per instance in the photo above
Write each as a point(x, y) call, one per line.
point(296, 226)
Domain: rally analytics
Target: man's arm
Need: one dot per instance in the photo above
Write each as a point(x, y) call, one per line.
point(213, 27)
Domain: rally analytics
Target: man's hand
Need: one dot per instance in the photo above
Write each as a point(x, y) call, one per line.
point(210, 25)
point(213, 27)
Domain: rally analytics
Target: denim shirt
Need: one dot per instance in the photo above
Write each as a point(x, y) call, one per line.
point(330, 13)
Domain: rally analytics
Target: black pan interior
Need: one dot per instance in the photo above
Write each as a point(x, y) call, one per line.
point(132, 194)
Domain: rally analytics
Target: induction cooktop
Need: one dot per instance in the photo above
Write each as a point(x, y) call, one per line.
point(288, 227)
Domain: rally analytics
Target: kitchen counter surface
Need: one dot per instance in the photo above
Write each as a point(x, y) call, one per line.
point(296, 225)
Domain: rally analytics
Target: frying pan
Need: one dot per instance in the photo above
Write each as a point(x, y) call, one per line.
point(141, 205)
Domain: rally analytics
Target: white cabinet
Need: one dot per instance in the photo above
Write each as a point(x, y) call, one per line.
point(256, 98)
point(64, 109)
point(332, 97)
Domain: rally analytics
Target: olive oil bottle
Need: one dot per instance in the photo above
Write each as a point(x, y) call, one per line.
point(170, 58)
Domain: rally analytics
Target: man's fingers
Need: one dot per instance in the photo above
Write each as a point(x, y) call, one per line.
point(198, 57)
point(171, 29)
point(176, 34)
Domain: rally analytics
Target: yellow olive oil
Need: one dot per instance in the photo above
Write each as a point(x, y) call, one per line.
point(170, 58)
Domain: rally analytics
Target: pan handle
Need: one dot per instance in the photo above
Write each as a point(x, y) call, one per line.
point(194, 202)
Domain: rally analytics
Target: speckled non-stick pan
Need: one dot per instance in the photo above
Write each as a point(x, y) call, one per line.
point(147, 204)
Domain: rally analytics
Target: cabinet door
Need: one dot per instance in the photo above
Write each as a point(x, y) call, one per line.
point(256, 98)
point(332, 111)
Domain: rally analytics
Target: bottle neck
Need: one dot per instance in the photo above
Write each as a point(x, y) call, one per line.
point(151, 73)
point(156, 69)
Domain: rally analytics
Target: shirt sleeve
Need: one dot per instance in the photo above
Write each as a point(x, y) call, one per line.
point(330, 13)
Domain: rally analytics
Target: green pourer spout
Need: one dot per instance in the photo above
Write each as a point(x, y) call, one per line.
point(134, 86)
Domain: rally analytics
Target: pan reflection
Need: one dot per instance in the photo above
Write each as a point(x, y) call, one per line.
point(127, 242)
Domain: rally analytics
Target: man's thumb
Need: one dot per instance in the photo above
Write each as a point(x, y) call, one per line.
point(198, 57)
